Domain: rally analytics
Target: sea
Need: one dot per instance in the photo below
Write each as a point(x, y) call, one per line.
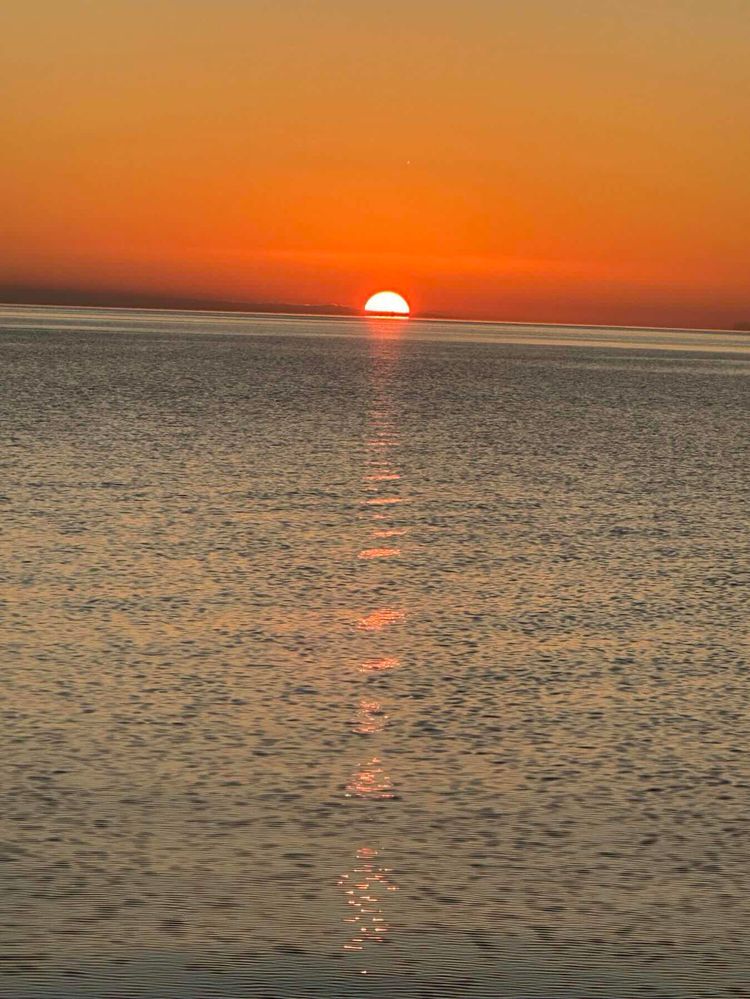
point(355, 657)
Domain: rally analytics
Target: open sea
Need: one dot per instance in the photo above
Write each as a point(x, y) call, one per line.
point(372, 658)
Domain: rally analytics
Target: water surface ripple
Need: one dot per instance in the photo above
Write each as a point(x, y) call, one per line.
point(356, 658)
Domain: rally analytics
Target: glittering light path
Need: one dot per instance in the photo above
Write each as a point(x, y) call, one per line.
point(367, 883)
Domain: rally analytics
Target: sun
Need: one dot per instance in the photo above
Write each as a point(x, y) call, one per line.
point(387, 303)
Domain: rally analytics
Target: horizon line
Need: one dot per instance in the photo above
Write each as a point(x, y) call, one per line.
point(354, 314)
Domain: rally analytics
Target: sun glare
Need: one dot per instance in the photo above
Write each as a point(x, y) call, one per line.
point(387, 303)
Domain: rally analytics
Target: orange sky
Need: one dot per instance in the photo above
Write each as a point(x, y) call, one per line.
point(555, 160)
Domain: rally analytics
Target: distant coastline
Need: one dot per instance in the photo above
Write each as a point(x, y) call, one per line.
point(115, 299)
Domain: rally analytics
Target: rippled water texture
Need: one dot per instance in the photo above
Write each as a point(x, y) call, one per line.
point(372, 658)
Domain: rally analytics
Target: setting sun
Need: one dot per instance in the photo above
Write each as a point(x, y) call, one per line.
point(388, 303)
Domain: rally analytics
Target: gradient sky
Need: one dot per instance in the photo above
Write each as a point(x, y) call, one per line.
point(552, 160)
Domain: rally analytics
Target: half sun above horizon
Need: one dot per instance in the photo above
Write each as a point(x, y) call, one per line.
point(387, 303)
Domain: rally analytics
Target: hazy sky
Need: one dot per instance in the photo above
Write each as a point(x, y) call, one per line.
point(572, 160)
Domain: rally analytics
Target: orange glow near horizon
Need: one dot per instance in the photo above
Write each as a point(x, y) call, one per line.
point(235, 153)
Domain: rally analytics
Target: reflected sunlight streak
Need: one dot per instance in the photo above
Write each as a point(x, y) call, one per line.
point(364, 887)
point(379, 665)
point(379, 619)
point(371, 782)
point(370, 718)
point(367, 881)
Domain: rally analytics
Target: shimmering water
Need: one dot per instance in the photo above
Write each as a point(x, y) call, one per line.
point(359, 658)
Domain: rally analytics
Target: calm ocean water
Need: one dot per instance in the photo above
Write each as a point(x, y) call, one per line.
point(372, 658)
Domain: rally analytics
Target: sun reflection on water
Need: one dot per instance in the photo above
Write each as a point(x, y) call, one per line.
point(389, 532)
point(371, 782)
point(365, 887)
point(379, 665)
point(367, 883)
point(370, 718)
point(377, 620)
point(379, 552)
point(383, 500)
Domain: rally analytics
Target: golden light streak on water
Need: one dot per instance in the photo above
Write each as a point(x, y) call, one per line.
point(383, 500)
point(366, 887)
point(379, 619)
point(379, 665)
point(370, 781)
point(370, 718)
